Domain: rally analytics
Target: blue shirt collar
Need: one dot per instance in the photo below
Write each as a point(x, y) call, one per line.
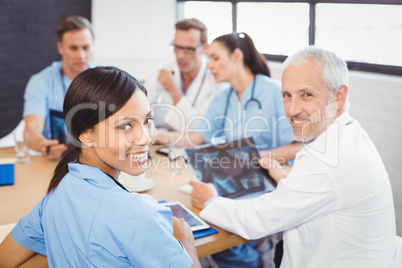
point(93, 174)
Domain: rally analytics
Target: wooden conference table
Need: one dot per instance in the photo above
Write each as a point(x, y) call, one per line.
point(31, 181)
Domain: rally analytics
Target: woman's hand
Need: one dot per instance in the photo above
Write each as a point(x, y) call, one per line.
point(182, 232)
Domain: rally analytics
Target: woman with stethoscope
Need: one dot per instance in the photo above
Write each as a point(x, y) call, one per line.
point(251, 106)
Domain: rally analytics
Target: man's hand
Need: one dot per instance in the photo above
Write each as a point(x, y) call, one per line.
point(201, 193)
point(182, 232)
point(51, 149)
point(166, 79)
point(275, 169)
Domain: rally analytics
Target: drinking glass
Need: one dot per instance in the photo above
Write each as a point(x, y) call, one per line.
point(21, 147)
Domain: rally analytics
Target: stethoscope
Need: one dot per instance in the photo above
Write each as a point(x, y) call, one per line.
point(159, 98)
point(252, 99)
point(201, 84)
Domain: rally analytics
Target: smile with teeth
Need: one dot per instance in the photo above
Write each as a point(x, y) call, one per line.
point(138, 156)
point(298, 122)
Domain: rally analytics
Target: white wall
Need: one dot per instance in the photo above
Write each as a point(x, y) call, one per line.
point(135, 36)
point(376, 103)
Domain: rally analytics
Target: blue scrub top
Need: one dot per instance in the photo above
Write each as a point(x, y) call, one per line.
point(270, 130)
point(89, 221)
point(44, 91)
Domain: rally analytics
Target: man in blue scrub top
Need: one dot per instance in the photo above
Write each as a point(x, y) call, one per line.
point(45, 91)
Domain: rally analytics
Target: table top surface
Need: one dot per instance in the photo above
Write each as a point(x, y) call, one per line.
point(31, 182)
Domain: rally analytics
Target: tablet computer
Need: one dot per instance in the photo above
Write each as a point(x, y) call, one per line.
point(232, 167)
point(181, 211)
point(57, 126)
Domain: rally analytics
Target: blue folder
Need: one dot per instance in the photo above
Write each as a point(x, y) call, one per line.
point(202, 233)
point(6, 174)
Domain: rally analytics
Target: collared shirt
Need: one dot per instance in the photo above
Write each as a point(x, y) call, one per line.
point(89, 221)
point(270, 129)
point(45, 91)
point(335, 207)
point(195, 100)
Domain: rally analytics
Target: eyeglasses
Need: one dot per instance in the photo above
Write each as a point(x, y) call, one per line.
point(186, 50)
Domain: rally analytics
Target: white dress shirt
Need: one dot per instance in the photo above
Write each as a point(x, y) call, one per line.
point(195, 100)
point(335, 207)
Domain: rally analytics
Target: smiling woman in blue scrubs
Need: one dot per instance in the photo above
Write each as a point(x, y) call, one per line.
point(87, 218)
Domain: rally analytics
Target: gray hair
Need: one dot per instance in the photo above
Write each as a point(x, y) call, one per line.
point(334, 70)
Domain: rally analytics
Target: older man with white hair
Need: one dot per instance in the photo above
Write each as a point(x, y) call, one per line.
point(335, 207)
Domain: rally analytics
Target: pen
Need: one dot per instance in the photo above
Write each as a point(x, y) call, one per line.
point(47, 150)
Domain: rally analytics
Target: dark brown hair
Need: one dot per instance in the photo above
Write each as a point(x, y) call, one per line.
point(252, 58)
point(73, 23)
point(193, 23)
point(93, 96)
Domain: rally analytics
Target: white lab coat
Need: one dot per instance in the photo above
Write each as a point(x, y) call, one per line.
point(335, 207)
point(190, 105)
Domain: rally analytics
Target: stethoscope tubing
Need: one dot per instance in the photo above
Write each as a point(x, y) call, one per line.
point(252, 99)
point(159, 97)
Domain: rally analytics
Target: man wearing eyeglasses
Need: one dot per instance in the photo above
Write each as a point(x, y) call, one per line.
point(184, 88)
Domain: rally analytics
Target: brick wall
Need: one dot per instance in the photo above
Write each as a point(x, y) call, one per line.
point(27, 45)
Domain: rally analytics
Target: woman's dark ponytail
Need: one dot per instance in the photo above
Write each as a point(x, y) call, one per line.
point(62, 167)
point(252, 58)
